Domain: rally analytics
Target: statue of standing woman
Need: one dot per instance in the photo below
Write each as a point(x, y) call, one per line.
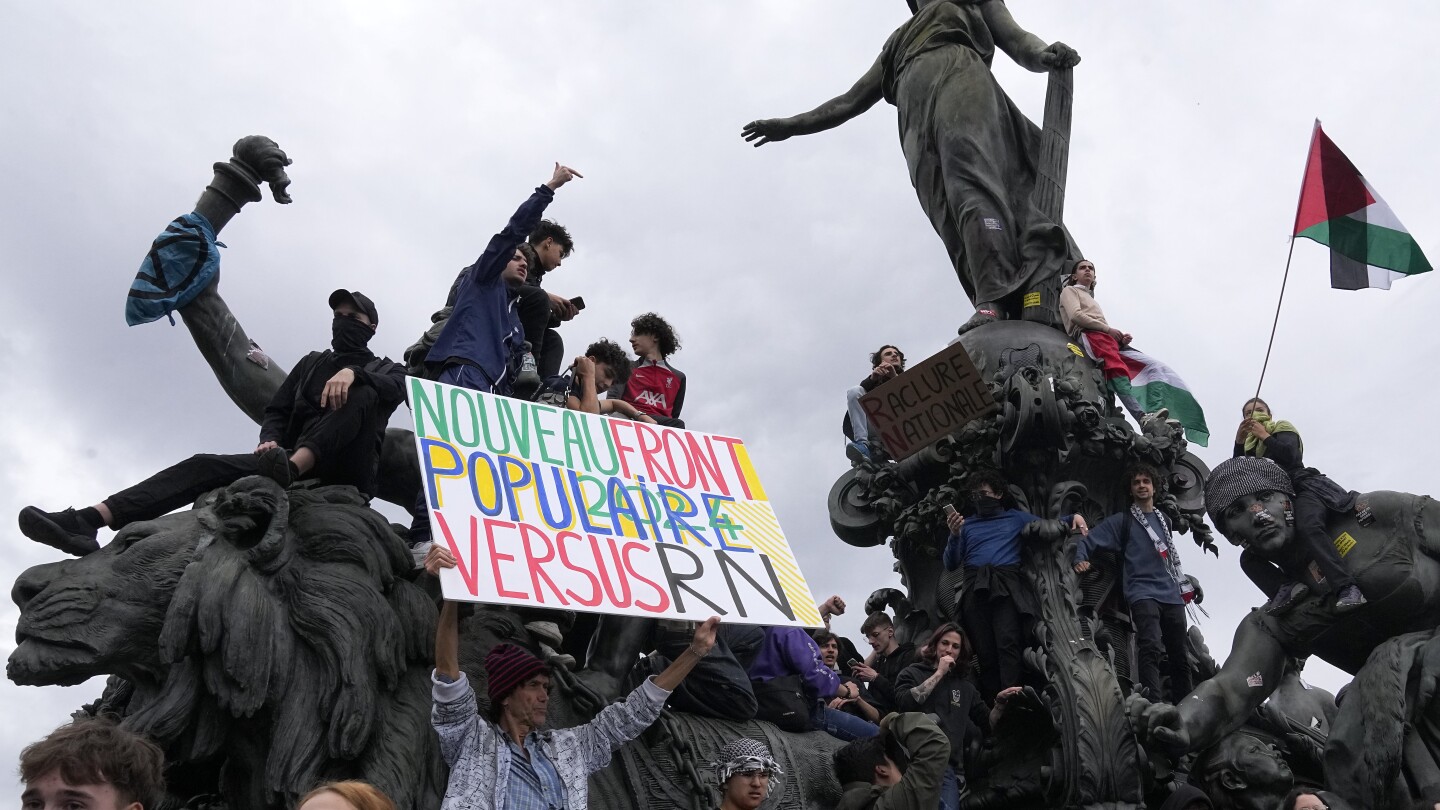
point(972, 154)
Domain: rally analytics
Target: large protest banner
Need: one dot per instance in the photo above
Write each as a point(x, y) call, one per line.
point(549, 507)
point(933, 398)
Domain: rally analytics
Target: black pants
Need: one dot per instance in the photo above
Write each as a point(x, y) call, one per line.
point(995, 630)
point(545, 343)
point(1160, 633)
point(345, 441)
point(1314, 537)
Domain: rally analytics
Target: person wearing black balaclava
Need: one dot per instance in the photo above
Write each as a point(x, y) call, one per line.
point(326, 421)
point(994, 599)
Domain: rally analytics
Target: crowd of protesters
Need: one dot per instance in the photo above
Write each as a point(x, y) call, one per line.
point(914, 719)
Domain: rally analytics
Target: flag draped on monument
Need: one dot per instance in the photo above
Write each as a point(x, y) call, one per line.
point(1149, 385)
point(1368, 245)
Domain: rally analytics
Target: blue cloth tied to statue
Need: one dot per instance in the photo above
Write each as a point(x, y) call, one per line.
point(182, 261)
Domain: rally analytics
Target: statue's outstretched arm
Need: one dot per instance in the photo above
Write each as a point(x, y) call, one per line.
point(249, 380)
point(1222, 704)
point(829, 115)
point(1028, 50)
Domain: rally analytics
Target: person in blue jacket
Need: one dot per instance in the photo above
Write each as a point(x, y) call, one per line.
point(994, 597)
point(1155, 584)
point(479, 346)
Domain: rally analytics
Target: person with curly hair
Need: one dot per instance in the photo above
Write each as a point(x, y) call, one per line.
point(603, 365)
point(92, 763)
point(656, 388)
point(1154, 583)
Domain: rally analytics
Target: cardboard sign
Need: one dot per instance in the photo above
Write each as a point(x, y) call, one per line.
point(934, 398)
point(549, 507)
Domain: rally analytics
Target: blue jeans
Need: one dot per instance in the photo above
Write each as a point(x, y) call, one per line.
point(844, 726)
point(950, 789)
point(859, 422)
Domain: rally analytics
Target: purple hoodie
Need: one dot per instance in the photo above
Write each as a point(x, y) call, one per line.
point(791, 651)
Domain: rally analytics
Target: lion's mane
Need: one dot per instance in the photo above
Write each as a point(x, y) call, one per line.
point(297, 651)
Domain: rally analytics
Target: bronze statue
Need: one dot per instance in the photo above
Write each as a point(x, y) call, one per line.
point(1392, 543)
point(972, 155)
point(265, 640)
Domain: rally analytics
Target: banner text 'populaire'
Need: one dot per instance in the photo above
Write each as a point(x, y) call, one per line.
point(549, 507)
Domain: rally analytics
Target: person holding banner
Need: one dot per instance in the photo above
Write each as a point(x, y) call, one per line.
point(1155, 584)
point(502, 760)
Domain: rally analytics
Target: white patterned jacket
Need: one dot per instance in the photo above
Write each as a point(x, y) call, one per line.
point(479, 758)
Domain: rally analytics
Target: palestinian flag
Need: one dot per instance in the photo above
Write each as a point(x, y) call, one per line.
point(1147, 385)
point(1368, 245)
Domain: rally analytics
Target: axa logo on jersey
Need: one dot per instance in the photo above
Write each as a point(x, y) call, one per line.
point(652, 398)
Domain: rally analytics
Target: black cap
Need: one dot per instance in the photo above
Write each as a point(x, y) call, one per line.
point(358, 300)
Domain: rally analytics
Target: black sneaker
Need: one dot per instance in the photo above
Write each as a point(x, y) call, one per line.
point(59, 530)
point(1289, 594)
point(1350, 598)
point(275, 465)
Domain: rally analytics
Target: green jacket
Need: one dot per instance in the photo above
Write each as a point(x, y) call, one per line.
point(919, 789)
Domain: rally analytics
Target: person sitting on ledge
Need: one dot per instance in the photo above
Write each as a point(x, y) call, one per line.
point(1084, 321)
point(331, 411)
point(604, 364)
point(887, 659)
point(871, 773)
point(793, 687)
point(885, 363)
point(656, 391)
point(503, 760)
point(1261, 436)
point(480, 344)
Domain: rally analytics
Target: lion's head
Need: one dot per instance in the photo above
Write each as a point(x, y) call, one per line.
point(271, 631)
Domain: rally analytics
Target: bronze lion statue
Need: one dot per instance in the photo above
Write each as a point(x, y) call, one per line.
point(267, 640)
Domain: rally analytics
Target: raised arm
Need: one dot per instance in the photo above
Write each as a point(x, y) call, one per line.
point(501, 247)
point(1028, 50)
point(829, 115)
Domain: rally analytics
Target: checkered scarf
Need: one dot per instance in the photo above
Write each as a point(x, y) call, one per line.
point(743, 755)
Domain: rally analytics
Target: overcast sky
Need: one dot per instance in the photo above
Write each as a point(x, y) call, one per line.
point(416, 129)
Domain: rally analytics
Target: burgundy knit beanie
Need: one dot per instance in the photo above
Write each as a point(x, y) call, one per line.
point(506, 667)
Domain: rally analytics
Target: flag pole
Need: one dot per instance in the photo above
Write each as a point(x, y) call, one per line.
point(1276, 323)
